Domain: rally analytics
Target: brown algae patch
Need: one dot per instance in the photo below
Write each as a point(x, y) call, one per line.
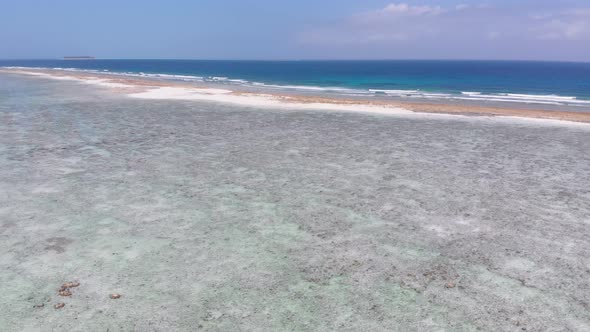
point(58, 244)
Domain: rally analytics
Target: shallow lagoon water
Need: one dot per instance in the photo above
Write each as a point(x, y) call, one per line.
point(211, 217)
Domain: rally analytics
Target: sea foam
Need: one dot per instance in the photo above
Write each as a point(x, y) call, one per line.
point(476, 96)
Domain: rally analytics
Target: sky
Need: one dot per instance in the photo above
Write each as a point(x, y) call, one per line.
point(297, 30)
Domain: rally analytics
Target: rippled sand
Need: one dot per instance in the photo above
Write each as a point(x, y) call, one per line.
point(207, 216)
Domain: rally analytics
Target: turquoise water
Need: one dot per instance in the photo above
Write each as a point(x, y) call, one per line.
point(552, 83)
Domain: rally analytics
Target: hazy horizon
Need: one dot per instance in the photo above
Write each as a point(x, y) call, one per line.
point(288, 60)
point(529, 30)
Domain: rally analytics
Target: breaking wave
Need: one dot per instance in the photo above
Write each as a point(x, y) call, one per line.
point(476, 96)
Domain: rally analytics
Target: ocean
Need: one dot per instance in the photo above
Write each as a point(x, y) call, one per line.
point(541, 83)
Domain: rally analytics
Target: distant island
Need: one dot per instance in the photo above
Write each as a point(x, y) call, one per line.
point(83, 57)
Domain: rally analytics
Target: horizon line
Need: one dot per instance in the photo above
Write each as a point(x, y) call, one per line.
point(295, 60)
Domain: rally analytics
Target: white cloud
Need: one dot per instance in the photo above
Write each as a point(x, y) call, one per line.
point(558, 29)
point(403, 22)
point(571, 24)
point(493, 35)
point(405, 9)
point(396, 22)
point(396, 11)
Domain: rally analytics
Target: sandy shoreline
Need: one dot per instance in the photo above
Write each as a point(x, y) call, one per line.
point(149, 88)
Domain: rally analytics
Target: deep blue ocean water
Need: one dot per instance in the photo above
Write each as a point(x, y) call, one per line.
point(559, 83)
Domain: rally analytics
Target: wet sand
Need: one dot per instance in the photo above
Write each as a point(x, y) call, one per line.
point(213, 217)
point(127, 84)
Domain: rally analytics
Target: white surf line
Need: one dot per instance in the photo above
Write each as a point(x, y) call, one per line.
point(105, 82)
point(273, 102)
point(258, 100)
point(270, 101)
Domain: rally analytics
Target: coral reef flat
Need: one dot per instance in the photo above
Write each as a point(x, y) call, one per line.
point(180, 215)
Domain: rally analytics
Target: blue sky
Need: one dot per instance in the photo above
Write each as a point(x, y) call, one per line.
point(303, 29)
